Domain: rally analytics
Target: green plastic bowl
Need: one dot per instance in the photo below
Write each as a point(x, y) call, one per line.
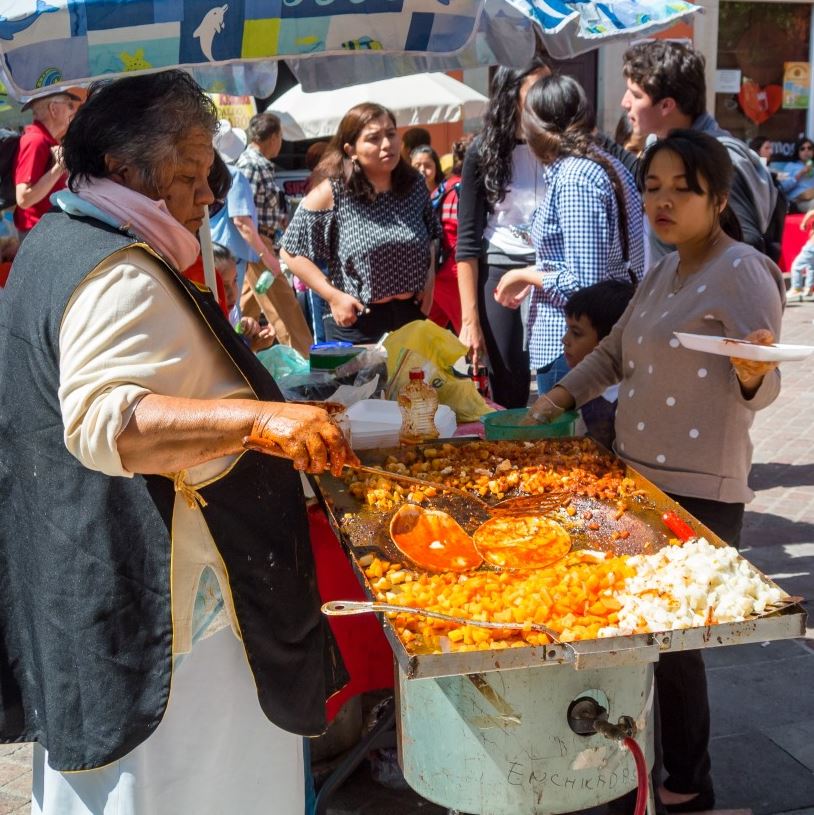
point(507, 424)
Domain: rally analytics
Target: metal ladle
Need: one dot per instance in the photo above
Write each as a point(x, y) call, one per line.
point(341, 608)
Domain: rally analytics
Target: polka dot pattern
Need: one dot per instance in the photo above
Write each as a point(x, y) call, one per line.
point(661, 458)
point(674, 343)
point(702, 288)
point(694, 434)
point(702, 372)
point(375, 249)
point(670, 401)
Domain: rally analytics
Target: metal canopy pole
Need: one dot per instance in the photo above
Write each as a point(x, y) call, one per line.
point(205, 236)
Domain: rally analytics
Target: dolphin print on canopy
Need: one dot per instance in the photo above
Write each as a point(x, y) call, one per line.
point(46, 43)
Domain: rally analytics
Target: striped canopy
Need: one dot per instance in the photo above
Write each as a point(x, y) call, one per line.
point(232, 45)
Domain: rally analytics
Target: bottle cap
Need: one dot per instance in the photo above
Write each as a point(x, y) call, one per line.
point(416, 373)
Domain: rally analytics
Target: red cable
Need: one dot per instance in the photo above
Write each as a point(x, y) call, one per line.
point(642, 776)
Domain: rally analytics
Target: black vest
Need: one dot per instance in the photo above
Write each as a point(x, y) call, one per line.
point(85, 622)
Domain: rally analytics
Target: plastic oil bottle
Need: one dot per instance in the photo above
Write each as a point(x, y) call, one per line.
point(418, 402)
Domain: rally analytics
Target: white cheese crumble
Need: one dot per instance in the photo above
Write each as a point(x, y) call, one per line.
point(690, 585)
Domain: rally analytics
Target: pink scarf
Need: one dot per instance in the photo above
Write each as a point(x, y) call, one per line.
point(146, 218)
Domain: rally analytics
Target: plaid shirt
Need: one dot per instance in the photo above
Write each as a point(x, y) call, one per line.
point(577, 242)
point(272, 210)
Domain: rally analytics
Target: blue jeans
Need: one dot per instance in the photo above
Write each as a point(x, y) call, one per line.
point(803, 262)
point(549, 375)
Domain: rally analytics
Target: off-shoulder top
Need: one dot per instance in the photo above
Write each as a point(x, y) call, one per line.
point(373, 249)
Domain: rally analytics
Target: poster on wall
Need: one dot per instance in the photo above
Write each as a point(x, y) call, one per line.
point(796, 80)
point(238, 110)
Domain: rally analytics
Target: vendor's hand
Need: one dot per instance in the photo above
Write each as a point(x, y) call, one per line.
point(549, 406)
point(345, 309)
point(750, 373)
point(472, 337)
point(514, 287)
point(805, 195)
point(305, 434)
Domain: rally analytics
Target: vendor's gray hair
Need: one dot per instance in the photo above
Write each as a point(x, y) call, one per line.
point(139, 121)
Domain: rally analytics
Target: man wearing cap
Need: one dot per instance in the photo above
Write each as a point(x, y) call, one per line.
point(38, 169)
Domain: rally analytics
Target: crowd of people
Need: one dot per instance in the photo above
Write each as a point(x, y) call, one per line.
point(546, 246)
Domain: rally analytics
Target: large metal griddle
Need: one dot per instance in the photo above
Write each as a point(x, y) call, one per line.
point(364, 531)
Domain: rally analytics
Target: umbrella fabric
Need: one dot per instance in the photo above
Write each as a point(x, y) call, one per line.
point(45, 43)
point(415, 100)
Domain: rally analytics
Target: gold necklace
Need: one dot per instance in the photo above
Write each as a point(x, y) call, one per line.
point(678, 282)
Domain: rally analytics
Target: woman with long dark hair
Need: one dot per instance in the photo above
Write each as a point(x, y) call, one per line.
point(683, 417)
point(372, 220)
point(587, 229)
point(501, 185)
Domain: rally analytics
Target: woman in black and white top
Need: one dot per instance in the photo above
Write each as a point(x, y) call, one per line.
point(501, 185)
point(372, 221)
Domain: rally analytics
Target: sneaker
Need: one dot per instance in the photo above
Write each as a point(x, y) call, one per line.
point(795, 294)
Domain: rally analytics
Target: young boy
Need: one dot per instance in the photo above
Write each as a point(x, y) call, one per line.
point(256, 337)
point(590, 314)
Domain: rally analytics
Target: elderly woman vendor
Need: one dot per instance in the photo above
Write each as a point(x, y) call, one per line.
point(160, 624)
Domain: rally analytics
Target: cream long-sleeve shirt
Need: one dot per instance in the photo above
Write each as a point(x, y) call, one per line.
point(126, 332)
point(682, 420)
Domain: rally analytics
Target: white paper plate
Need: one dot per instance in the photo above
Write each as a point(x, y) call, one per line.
point(724, 347)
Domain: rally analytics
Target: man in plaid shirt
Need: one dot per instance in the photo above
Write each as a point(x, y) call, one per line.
point(265, 140)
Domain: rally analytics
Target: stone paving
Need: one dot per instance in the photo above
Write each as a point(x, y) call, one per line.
point(763, 708)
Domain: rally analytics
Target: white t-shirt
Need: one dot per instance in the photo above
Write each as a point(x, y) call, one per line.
point(508, 226)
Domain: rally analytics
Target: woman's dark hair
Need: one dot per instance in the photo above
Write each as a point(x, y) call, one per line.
point(459, 148)
point(426, 150)
point(703, 157)
point(800, 144)
point(497, 142)
point(558, 121)
point(337, 164)
point(416, 137)
point(220, 182)
point(758, 142)
point(138, 120)
point(603, 304)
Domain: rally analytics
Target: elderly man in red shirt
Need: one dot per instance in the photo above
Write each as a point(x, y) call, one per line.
point(38, 169)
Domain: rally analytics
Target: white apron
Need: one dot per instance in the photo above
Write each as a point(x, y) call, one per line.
point(214, 753)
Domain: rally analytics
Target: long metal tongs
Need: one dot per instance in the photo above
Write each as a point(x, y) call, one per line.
point(341, 608)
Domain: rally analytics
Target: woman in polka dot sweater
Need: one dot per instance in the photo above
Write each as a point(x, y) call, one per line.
point(684, 416)
point(372, 222)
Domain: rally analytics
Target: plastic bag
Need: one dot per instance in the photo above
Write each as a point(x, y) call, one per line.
point(280, 361)
point(423, 344)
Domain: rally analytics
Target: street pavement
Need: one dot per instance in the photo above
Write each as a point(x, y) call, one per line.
point(761, 695)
